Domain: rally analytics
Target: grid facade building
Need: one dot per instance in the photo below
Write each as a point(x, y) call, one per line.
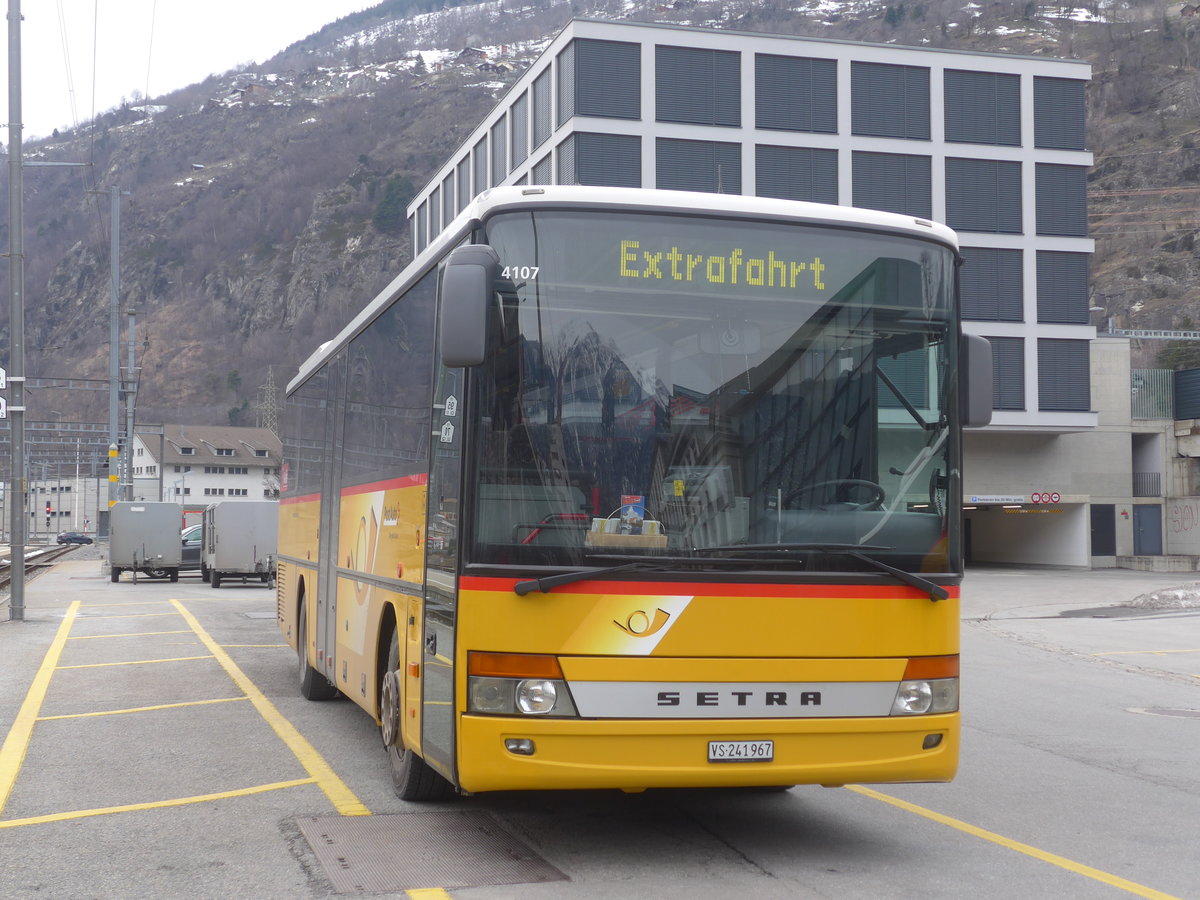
point(993, 145)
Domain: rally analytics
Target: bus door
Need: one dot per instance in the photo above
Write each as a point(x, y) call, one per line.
point(327, 541)
point(441, 573)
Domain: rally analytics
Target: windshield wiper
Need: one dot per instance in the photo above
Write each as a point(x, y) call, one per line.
point(544, 584)
point(854, 551)
point(628, 563)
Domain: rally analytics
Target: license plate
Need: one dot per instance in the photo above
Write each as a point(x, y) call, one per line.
point(741, 751)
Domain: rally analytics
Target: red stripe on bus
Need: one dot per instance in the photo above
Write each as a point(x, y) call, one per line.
point(692, 588)
point(306, 498)
point(404, 481)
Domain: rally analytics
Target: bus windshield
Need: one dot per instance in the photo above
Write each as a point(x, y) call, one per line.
point(668, 386)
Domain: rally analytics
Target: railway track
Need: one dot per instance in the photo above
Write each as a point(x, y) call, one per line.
point(35, 559)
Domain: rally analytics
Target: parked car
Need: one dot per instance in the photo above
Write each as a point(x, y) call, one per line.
point(193, 545)
point(73, 537)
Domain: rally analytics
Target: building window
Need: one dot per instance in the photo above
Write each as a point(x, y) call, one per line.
point(607, 160)
point(462, 174)
point(600, 78)
point(224, 451)
point(542, 127)
point(795, 94)
point(983, 195)
point(710, 166)
point(479, 162)
point(448, 210)
point(983, 108)
point(187, 451)
point(992, 282)
point(1063, 384)
point(889, 101)
point(893, 182)
point(518, 146)
point(796, 173)
point(1062, 287)
point(1061, 200)
point(1059, 113)
point(1008, 373)
point(698, 86)
point(499, 150)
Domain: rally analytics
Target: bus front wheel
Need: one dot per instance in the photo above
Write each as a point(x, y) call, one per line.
point(412, 778)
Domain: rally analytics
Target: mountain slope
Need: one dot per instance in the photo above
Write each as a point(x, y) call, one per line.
point(264, 206)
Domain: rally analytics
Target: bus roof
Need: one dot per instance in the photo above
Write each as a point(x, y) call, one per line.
point(643, 199)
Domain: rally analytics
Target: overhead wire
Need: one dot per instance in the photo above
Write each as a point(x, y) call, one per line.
point(66, 50)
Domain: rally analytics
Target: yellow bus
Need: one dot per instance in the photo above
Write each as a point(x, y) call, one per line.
point(630, 489)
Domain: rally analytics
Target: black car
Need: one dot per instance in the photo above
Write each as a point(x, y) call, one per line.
point(73, 537)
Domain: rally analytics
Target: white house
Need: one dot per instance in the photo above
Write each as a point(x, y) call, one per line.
point(197, 465)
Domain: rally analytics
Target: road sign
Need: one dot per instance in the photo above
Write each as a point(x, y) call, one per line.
point(3, 408)
point(3, 378)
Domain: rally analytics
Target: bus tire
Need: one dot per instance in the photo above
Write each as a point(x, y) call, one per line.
point(174, 575)
point(214, 578)
point(313, 685)
point(116, 574)
point(412, 778)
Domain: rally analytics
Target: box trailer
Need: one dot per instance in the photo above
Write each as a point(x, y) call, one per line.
point(240, 541)
point(144, 537)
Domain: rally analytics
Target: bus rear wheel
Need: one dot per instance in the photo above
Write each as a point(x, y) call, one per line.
point(412, 777)
point(313, 685)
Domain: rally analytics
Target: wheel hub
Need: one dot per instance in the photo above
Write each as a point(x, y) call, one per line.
point(389, 710)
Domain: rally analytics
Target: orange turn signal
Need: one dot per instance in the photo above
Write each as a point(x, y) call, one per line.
point(925, 667)
point(513, 665)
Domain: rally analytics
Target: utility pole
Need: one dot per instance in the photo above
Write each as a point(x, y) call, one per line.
point(114, 345)
point(16, 321)
point(130, 400)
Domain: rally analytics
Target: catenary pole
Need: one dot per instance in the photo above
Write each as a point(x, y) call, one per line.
point(16, 321)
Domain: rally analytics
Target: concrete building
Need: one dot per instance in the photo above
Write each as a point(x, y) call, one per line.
point(993, 145)
point(196, 465)
point(58, 503)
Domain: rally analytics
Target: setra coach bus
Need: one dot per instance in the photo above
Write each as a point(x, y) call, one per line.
point(621, 488)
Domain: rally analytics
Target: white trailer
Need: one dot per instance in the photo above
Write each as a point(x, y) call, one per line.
point(144, 537)
point(240, 541)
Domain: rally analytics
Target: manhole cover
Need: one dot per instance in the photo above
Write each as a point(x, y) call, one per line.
point(1164, 711)
point(422, 850)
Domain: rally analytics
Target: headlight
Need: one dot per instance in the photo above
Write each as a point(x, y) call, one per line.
point(926, 697)
point(536, 698)
point(519, 696)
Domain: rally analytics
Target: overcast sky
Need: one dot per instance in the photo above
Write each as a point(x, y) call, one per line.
point(148, 46)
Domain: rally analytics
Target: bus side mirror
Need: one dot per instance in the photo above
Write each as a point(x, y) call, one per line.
point(467, 287)
point(975, 384)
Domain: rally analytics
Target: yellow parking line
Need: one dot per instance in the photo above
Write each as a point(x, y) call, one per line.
point(134, 662)
point(16, 744)
point(428, 894)
point(339, 794)
point(138, 709)
point(96, 637)
point(1052, 858)
point(154, 804)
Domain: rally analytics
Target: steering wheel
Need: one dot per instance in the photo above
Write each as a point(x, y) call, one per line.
point(937, 491)
point(844, 487)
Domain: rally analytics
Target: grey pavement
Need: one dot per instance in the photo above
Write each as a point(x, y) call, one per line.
point(1143, 621)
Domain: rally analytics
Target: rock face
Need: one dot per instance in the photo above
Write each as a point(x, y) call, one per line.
point(261, 209)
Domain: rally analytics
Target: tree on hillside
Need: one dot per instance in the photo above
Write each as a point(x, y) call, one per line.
point(389, 214)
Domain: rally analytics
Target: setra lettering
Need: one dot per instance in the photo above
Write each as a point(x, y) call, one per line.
point(743, 699)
